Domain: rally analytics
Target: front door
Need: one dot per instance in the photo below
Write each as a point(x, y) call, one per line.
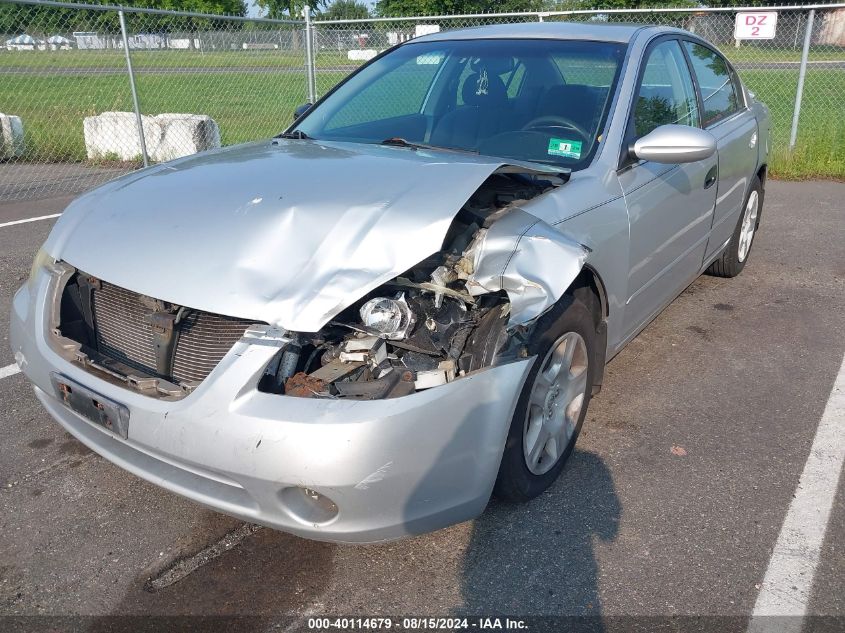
point(670, 207)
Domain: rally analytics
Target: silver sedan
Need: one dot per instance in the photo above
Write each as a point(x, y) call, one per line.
point(362, 328)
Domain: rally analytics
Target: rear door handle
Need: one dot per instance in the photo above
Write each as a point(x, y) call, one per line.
point(710, 178)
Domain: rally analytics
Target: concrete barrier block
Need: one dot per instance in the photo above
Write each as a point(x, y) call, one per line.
point(361, 55)
point(11, 136)
point(114, 136)
point(185, 134)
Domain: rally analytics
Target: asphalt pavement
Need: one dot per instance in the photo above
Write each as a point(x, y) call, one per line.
point(27, 184)
point(671, 505)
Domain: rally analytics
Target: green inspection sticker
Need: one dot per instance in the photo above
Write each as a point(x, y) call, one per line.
point(562, 147)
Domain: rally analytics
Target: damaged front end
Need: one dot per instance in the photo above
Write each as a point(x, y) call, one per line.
point(469, 306)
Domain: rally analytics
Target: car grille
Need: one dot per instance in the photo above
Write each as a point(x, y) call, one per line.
point(123, 332)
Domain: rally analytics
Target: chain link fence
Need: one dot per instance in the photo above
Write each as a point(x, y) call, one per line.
point(70, 122)
point(69, 119)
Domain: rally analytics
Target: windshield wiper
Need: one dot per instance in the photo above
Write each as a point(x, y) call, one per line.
point(398, 141)
point(297, 134)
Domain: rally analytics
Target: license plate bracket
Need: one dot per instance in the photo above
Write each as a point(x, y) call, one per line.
point(95, 408)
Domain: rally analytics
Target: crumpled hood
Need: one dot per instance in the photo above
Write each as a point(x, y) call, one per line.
point(287, 232)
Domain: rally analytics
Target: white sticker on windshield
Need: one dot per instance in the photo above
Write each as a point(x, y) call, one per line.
point(429, 58)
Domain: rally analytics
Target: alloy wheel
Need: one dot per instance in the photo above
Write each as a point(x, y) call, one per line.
point(749, 225)
point(554, 406)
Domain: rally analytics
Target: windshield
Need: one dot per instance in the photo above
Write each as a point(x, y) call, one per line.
point(535, 100)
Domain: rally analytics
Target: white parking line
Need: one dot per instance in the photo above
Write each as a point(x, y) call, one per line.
point(25, 220)
point(9, 370)
point(789, 578)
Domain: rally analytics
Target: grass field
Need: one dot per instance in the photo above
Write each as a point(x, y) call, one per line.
point(754, 54)
point(47, 61)
point(52, 102)
point(820, 147)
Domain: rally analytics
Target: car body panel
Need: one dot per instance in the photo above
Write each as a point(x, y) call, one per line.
point(736, 139)
point(670, 213)
point(527, 280)
point(764, 121)
point(593, 213)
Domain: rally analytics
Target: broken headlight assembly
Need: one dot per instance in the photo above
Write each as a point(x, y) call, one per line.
point(406, 336)
point(388, 318)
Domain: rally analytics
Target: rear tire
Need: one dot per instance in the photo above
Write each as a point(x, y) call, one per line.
point(553, 402)
point(733, 259)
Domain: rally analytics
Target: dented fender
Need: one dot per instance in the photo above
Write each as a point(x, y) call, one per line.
point(529, 259)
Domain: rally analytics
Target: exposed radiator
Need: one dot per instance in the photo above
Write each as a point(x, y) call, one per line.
point(204, 339)
point(123, 332)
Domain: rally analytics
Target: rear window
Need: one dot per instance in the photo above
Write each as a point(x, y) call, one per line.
point(718, 90)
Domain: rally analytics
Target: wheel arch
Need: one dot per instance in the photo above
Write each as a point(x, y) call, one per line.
point(762, 175)
point(589, 288)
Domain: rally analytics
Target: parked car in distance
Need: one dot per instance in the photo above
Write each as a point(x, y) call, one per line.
point(360, 329)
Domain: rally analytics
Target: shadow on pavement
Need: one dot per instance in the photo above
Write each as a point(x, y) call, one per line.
point(538, 558)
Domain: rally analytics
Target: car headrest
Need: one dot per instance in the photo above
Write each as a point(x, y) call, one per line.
point(484, 88)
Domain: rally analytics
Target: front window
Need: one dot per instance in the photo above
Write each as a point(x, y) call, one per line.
point(535, 100)
point(666, 94)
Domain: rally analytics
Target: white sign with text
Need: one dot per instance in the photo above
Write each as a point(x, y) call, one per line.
point(757, 25)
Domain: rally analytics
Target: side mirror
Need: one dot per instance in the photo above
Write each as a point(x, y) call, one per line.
point(300, 110)
point(674, 144)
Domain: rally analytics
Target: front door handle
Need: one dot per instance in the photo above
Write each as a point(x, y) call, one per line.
point(710, 178)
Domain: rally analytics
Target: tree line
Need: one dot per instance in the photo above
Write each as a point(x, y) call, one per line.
point(34, 19)
point(350, 9)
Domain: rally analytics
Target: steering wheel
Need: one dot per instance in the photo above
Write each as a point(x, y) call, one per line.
point(554, 120)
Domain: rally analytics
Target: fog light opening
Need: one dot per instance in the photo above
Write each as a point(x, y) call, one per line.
point(308, 506)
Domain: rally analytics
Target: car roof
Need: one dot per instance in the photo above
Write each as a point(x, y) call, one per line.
point(596, 31)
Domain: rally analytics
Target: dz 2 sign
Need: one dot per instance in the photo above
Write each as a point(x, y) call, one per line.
point(755, 25)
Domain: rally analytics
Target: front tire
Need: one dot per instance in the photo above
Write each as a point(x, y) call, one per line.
point(553, 402)
point(733, 260)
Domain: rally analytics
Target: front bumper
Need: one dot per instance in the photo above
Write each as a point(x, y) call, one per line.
point(392, 468)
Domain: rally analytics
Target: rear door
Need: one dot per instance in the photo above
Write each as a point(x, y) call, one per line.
point(670, 207)
point(726, 116)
